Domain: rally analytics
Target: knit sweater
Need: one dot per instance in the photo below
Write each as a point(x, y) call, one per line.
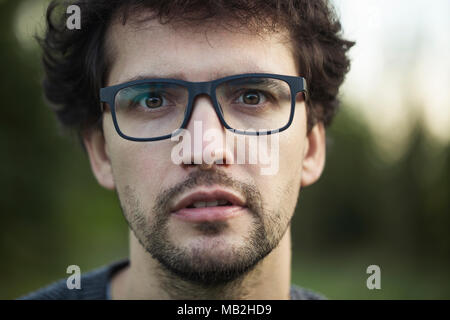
point(95, 286)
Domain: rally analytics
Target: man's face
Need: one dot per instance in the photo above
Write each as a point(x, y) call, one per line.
point(148, 183)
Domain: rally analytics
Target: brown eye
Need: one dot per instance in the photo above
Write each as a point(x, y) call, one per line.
point(153, 102)
point(251, 97)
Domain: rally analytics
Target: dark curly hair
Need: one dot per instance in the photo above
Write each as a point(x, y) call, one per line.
point(76, 61)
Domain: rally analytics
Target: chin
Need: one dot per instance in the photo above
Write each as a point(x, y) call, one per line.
point(211, 263)
point(222, 248)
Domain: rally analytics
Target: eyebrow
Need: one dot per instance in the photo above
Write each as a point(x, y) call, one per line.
point(144, 76)
point(183, 76)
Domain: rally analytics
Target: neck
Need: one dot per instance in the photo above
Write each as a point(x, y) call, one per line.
point(145, 278)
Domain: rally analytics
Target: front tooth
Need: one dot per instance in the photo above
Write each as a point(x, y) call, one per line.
point(212, 204)
point(199, 204)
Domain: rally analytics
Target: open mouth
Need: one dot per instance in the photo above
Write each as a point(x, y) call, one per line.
point(205, 204)
point(208, 205)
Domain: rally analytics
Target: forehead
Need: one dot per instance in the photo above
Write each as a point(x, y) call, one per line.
point(194, 53)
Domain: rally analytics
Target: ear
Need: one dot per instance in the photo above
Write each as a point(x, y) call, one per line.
point(314, 155)
point(95, 144)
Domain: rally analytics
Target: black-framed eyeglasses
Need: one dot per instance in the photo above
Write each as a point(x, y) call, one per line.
point(251, 104)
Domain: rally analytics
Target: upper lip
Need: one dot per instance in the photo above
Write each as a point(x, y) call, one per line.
point(208, 195)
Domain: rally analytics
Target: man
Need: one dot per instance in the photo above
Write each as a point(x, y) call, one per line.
point(146, 84)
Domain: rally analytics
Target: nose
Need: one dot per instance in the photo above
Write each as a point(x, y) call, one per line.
point(208, 136)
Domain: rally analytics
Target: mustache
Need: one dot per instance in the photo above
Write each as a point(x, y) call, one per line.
point(198, 178)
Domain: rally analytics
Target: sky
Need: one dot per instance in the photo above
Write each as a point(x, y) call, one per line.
point(400, 69)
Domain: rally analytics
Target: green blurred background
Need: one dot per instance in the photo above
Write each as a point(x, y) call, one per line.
point(381, 200)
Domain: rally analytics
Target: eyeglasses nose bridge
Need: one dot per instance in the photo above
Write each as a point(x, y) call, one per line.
point(203, 88)
point(199, 88)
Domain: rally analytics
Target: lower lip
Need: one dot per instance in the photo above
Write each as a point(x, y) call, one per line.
point(209, 213)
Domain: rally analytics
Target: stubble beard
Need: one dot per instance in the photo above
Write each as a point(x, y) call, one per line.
point(184, 266)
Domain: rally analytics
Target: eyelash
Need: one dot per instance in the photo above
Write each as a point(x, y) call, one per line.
point(137, 102)
point(267, 96)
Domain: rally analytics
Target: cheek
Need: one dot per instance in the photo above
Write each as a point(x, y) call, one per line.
point(282, 188)
point(142, 165)
point(292, 142)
